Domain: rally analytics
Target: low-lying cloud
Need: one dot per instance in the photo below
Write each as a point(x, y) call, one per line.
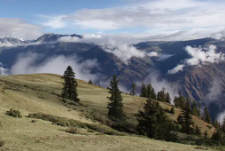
point(26, 64)
point(199, 56)
point(120, 47)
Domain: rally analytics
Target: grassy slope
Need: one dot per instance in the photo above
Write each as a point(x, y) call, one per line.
point(36, 93)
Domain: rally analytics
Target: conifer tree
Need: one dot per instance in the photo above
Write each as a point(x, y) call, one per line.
point(161, 96)
point(69, 90)
point(153, 94)
point(197, 131)
point(115, 105)
point(180, 102)
point(167, 98)
point(199, 109)
point(207, 116)
point(133, 89)
point(172, 110)
point(153, 123)
point(185, 118)
point(149, 91)
point(223, 125)
point(143, 91)
point(217, 136)
point(90, 82)
point(216, 124)
point(194, 109)
point(206, 134)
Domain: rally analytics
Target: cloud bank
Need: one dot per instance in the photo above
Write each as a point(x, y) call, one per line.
point(199, 56)
point(26, 64)
point(14, 27)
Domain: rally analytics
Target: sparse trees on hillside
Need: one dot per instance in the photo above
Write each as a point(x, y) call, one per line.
point(179, 101)
point(143, 91)
point(153, 122)
point(168, 99)
point(115, 105)
point(69, 90)
point(133, 89)
point(161, 96)
point(185, 119)
point(207, 116)
point(197, 131)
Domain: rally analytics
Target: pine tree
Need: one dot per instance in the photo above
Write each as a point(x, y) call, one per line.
point(167, 99)
point(69, 90)
point(199, 110)
point(185, 119)
point(153, 94)
point(180, 102)
point(172, 110)
point(197, 131)
point(217, 136)
point(223, 125)
point(207, 116)
point(115, 105)
point(153, 123)
point(194, 109)
point(149, 91)
point(216, 124)
point(161, 96)
point(143, 91)
point(206, 134)
point(133, 89)
point(90, 82)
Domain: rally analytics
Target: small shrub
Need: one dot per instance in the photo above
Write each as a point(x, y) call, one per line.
point(209, 127)
point(1, 143)
point(14, 113)
point(33, 121)
point(72, 130)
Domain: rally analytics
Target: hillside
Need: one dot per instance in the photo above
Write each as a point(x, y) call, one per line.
point(39, 93)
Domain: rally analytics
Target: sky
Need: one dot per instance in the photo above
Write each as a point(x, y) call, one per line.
point(173, 19)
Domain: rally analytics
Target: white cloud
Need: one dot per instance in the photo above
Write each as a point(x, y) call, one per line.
point(178, 68)
point(154, 17)
point(200, 56)
point(14, 27)
point(25, 64)
point(55, 22)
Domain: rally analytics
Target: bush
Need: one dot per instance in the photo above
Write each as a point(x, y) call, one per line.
point(65, 122)
point(73, 130)
point(1, 143)
point(14, 113)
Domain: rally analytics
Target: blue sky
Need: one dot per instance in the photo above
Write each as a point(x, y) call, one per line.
point(29, 19)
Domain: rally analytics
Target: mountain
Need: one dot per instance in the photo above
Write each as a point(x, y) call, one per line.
point(195, 81)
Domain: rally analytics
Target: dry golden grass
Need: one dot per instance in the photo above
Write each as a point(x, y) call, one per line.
point(38, 93)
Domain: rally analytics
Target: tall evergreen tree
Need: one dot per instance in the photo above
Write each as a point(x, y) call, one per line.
point(217, 136)
point(143, 91)
point(185, 119)
point(206, 134)
point(172, 110)
point(223, 125)
point(180, 102)
point(69, 90)
point(115, 105)
point(133, 89)
point(207, 116)
point(216, 124)
point(90, 82)
point(194, 108)
point(167, 98)
point(153, 94)
point(149, 91)
point(199, 109)
point(197, 131)
point(161, 96)
point(153, 123)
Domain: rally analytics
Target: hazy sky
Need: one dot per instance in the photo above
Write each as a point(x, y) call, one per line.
point(29, 19)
